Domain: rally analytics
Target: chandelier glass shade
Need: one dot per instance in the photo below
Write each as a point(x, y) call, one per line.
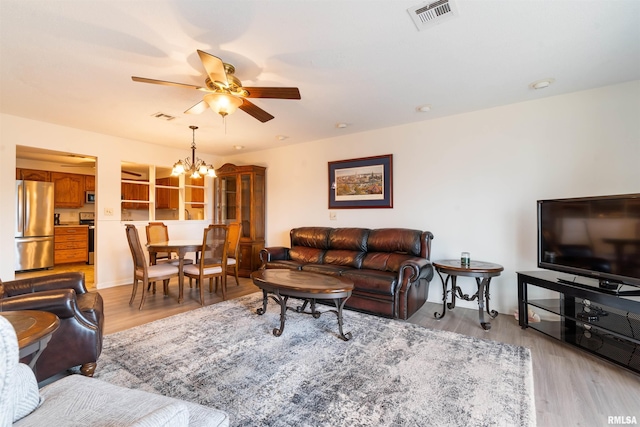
point(194, 166)
point(222, 103)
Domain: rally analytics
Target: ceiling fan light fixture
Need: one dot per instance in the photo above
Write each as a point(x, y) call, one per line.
point(223, 103)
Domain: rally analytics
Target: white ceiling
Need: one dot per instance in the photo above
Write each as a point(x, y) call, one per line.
point(363, 63)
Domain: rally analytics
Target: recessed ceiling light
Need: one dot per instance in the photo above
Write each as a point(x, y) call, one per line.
point(281, 137)
point(341, 125)
point(541, 84)
point(423, 108)
point(238, 147)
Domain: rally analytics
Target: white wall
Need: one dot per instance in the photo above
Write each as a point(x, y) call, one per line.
point(472, 179)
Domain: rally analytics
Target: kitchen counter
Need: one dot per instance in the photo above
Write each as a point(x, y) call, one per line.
point(71, 224)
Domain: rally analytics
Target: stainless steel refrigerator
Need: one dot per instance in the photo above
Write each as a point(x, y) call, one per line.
point(34, 225)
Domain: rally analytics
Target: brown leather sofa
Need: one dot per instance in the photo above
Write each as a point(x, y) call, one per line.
point(389, 267)
point(78, 340)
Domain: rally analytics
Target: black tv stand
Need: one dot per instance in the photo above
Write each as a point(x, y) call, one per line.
point(603, 322)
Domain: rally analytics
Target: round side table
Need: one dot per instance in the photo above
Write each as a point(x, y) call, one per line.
point(34, 330)
point(481, 271)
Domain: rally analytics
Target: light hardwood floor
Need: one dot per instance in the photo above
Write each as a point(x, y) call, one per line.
point(572, 388)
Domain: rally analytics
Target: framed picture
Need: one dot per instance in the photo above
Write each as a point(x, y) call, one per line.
point(361, 183)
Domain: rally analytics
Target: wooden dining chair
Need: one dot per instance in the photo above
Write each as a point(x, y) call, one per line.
point(159, 232)
point(144, 272)
point(213, 260)
point(233, 250)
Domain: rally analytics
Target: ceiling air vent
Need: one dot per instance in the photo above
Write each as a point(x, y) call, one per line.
point(429, 14)
point(163, 116)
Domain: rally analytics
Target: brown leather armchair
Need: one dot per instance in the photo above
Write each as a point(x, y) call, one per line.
point(78, 340)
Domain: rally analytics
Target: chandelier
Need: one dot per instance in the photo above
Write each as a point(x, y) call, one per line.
point(196, 167)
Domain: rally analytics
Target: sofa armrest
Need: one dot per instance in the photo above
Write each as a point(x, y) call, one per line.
point(274, 253)
point(61, 302)
point(70, 280)
point(416, 269)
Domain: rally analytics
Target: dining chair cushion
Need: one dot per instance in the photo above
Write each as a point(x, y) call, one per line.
point(195, 269)
point(160, 270)
point(231, 261)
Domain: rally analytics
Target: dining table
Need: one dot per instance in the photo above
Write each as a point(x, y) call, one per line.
point(181, 247)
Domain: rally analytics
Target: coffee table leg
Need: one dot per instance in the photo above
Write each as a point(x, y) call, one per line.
point(339, 304)
point(283, 313)
point(263, 310)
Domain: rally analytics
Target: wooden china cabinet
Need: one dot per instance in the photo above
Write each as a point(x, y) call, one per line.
point(239, 196)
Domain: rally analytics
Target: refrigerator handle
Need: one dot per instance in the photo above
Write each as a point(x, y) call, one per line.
point(20, 216)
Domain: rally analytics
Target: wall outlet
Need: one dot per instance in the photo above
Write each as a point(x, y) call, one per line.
point(108, 211)
point(333, 216)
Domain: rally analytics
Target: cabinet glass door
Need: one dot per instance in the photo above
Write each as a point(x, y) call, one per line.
point(226, 210)
point(245, 204)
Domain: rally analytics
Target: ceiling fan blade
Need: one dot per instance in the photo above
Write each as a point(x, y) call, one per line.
point(214, 67)
point(199, 108)
point(255, 111)
point(273, 92)
point(165, 83)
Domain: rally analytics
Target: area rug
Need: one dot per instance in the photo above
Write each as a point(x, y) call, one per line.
point(391, 373)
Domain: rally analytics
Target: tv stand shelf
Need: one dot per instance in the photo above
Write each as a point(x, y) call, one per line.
point(594, 319)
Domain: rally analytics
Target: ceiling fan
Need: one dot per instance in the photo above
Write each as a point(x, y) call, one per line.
point(224, 91)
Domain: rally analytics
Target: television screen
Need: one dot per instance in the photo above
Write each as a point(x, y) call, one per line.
point(597, 237)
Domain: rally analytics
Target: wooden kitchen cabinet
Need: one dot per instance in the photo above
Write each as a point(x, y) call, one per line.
point(239, 196)
point(68, 190)
point(89, 183)
point(167, 198)
point(197, 193)
point(71, 244)
point(132, 191)
point(33, 175)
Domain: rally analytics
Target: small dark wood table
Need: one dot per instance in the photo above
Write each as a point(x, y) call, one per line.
point(34, 330)
point(284, 283)
point(179, 246)
point(482, 271)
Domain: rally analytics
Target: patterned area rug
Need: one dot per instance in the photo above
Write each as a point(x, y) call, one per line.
point(391, 373)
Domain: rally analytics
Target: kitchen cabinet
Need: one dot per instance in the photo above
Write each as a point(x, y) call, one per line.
point(33, 175)
point(167, 198)
point(197, 194)
point(132, 191)
point(71, 244)
point(89, 183)
point(239, 196)
point(69, 189)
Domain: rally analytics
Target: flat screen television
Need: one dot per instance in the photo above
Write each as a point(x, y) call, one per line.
point(595, 237)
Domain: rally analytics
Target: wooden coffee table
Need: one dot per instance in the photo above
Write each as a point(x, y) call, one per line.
point(282, 284)
point(34, 330)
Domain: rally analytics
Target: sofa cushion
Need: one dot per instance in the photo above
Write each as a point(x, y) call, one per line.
point(312, 237)
point(346, 258)
point(305, 255)
point(373, 281)
point(352, 239)
point(332, 270)
point(171, 415)
point(83, 401)
point(401, 240)
point(26, 396)
point(281, 263)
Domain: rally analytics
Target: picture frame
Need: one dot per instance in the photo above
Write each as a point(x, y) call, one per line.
point(361, 183)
